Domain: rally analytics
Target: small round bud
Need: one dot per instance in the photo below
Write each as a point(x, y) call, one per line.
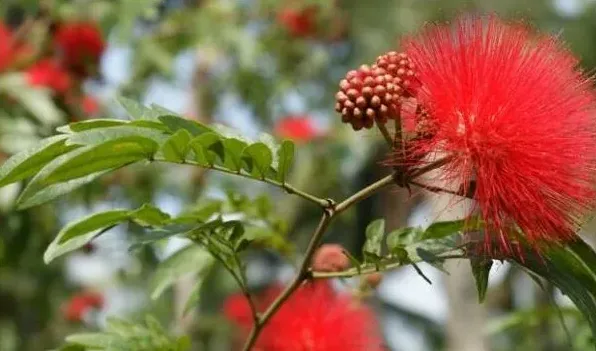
point(330, 258)
point(399, 66)
point(374, 279)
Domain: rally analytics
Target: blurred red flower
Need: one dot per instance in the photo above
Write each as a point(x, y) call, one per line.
point(6, 50)
point(314, 318)
point(90, 105)
point(298, 22)
point(298, 128)
point(78, 305)
point(10, 51)
point(49, 73)
point(81, 45)
point(514, 114)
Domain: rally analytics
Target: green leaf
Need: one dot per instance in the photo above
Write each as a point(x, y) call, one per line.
point(102, 135)
point(399, 238)
point(233, 149)
point(175, 124)
point(93, 340)
point(109, 155)
point(90, 124)
point(176, 147)
point(183, 343)
point(442, 229)
point(286, 158)
point(273, 146)
point(38, 101)
point(374, 238)
point(207, 148)
point(164, 111)
point(33, 197)
point(28, 162)
point(195, 295)
point(120, 327)
point(77, 234)
point(192, 259)
point(148, 215)
point(136, 110)
point(82, 166)
point(570, 267)
point(122, 335)
point(258, 157)
point(480, 270)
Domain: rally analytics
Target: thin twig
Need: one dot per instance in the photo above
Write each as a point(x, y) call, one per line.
point(285, 186)
point(366, 192)
point(330, 211)
point(386, 134)
point(354, 272)
point(429, 167)
point(437, 189)
point(300, 276)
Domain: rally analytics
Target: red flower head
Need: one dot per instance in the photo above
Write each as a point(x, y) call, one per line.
point(80, 304)
point(297, 128)
point(298, 22)
point(316, 318)
point(49, 73)
point(81, 45)
point(510, 111)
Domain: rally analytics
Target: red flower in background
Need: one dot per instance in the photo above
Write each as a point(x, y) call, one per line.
point(314, 318)
point(513, 113)
point(10, 51)
point(90, 105)
point(298, 22)
point(81, 45)
point(6, 49)
point(297, 128)
point(80, 304)
point(48, 73)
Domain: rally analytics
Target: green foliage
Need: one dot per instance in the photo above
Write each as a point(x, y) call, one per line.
point(571, 267)
point(192, 260)
point(87, 150)
point(127, 336)
point(76, 234)
point(374, 238)
point(480, 270)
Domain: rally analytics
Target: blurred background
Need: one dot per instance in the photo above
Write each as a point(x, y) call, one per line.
point(252, 65)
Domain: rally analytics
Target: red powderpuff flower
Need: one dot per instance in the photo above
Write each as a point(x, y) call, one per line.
point(298, 22)
point(81, 45)
point(511, 111)
point(80, 304)
point(297, 128)
point(316, 318)
point(49, 73)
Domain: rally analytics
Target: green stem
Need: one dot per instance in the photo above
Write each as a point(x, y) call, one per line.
point(330, 211)
point(300, 277)
point(366, 192)
point(429, 167)
point(285, 186)
point(386, 135)
point(353, 272)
